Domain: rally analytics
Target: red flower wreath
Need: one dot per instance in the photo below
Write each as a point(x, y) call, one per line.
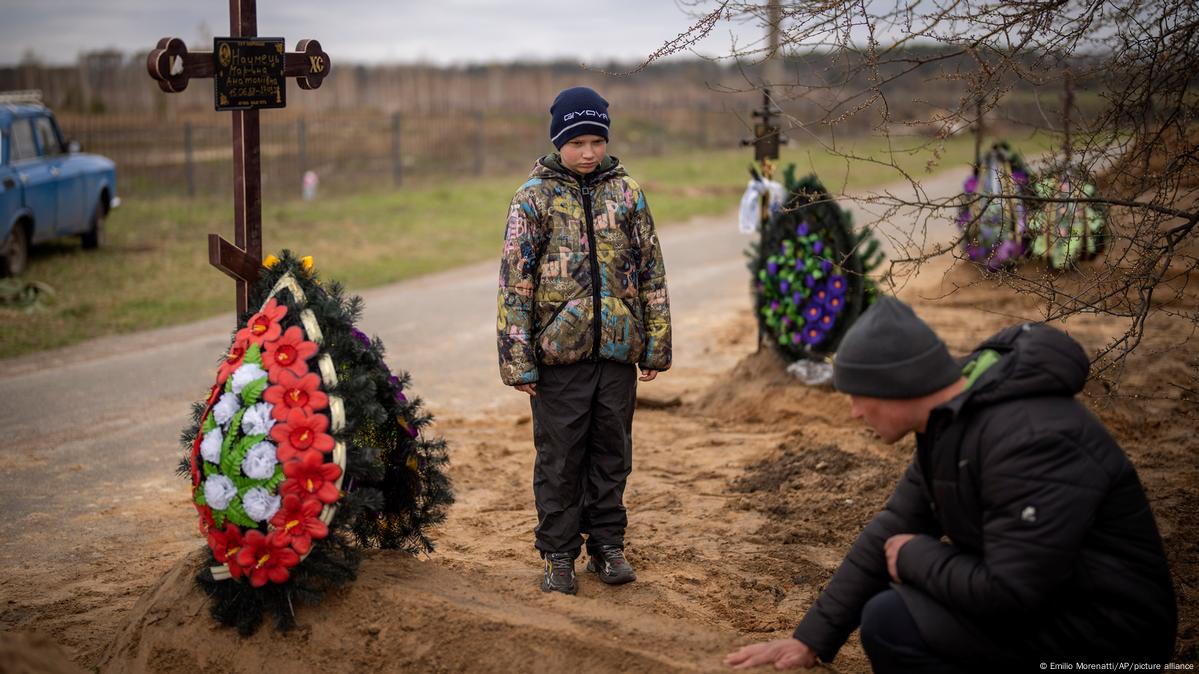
point(264, 325)
point(225, 547)
point(265, 558)
point(310, 476)
point(288, 353)
point(302, 434)
point(233, 360)
point(295, 393)
point(298, 522)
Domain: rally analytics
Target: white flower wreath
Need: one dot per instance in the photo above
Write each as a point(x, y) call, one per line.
point(219, 491)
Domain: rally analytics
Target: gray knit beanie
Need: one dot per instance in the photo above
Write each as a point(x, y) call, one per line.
point(890, 353)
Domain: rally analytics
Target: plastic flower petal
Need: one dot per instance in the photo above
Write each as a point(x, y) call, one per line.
point(258, 419)
point(225, 408)
point(237, 351)
point(260, 504)
point(219, 492)
point(299, 521)
point(812, 335)
point(293, 392)
point(265, 559)
point(311, 476)
point(225, 545)
point(248, 373)
point(826, 321)
point(412, 431)
point(260, 461)
point(210, 446)
point(288, 353)
point(811, 313)
point(264, 325)
point(302, 433)
point(836, 285)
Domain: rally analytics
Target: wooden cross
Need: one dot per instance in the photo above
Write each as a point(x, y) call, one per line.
point(767, 137)
point(172, 65)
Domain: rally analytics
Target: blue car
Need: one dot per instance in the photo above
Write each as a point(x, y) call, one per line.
point(48, 188)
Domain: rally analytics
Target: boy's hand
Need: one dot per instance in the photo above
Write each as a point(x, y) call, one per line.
point(531, 389)
point(648, 375)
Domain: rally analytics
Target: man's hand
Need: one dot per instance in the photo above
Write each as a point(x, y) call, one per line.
point(647, 375)
point(783, 653)
point(892, 547)
point(531, 389)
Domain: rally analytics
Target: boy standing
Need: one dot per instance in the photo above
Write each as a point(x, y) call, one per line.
point(582, 300)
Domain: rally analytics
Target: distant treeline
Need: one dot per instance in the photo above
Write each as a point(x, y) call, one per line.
point(111, 82)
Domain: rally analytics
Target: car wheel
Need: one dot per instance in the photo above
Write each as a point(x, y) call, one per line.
point(94, 238)
point(14, 256)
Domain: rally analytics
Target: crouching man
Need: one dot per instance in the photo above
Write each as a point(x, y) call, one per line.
point(1018, 535)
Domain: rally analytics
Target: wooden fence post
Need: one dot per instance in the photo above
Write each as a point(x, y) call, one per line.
point(397, 164)
point(189, 166)
point(480, 153)
point(302, 145)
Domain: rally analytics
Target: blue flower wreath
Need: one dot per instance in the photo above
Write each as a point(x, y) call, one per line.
point(809, 271)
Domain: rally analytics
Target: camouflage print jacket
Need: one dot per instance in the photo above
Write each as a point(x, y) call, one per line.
point(548, 292)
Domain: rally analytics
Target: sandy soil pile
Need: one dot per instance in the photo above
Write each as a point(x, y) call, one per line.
point(743, 500)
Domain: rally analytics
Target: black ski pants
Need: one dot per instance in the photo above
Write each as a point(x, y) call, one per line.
point(583, 432)
point(892, 641)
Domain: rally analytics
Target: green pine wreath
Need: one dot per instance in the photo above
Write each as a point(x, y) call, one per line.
point(809, 272)
point(306, 450)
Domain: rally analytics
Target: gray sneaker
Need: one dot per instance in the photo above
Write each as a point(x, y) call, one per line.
point(609, 564)
point(559, 573)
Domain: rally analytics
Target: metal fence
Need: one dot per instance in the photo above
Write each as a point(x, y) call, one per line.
point(351, 151)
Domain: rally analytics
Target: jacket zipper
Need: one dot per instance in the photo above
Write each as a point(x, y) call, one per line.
point(595, 279)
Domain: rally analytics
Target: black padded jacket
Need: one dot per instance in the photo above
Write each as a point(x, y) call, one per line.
point(1035, 541)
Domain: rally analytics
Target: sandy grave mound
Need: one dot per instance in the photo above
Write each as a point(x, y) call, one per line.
point(404, 614)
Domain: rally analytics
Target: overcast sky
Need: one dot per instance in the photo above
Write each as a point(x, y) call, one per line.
point(367, 31)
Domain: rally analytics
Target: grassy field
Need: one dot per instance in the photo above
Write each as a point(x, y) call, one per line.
point(154, 269)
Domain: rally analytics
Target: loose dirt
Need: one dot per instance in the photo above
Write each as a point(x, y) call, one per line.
point(746, 493)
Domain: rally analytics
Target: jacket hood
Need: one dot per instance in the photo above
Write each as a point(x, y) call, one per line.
point(550, 166)
point(1034, 360)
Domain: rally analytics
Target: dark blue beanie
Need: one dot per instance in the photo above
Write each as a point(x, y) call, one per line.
point(575, 112)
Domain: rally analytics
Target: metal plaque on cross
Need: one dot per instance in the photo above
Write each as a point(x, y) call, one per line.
point(173, 66)
point(249, 73)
